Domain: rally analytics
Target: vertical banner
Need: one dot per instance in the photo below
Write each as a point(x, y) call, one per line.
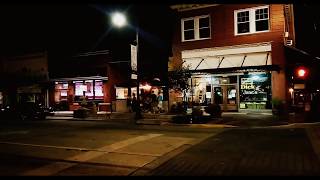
point(133, 58)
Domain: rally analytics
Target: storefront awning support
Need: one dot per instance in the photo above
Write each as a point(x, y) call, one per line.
point(199, 64)
point(244, 58)
point(220, 62)
point(267, 58)
point(191, 81)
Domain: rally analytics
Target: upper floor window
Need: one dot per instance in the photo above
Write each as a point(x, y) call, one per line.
point(251, 20)
point(195, 28)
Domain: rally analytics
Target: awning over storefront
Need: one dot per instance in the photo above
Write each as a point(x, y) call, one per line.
point(33, 89)
point(81, 78)
point(253, 56)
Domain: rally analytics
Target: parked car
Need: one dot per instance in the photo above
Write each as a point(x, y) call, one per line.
point(25, 111)
point(33, 111)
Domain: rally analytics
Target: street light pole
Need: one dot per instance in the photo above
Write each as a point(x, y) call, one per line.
point(119, 20)
point(138, 108)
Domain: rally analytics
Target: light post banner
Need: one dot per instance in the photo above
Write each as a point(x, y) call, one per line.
point(133, 58)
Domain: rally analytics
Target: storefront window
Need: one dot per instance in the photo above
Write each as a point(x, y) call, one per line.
point(80, 88)
point(61, 91)
point(231, 95)
point(92, 89)
point(122, 92)
point(89, 92)
point(98, 89)
point(255, 91)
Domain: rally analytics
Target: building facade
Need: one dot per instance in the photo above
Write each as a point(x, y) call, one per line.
point(24, 78)
point(93, 77)
point(64, 84)
point(236, 53)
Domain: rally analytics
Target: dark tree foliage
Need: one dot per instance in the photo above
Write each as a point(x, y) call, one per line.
point(178, 79)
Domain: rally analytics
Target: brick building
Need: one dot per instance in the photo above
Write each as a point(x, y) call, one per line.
point(236, 53)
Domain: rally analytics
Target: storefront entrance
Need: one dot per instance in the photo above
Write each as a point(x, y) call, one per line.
point(226, 97)
point(233, 92)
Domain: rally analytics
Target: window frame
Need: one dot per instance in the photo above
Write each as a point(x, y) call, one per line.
point(252, 20)
point(196, 28)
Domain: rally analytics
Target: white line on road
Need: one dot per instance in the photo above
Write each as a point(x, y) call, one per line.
point(56, 167)
point(47, 146)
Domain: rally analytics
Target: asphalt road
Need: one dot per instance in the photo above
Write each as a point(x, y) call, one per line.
point(60, 148)
point(51, 148)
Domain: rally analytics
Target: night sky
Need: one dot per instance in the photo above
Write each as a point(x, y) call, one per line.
point(66, 29)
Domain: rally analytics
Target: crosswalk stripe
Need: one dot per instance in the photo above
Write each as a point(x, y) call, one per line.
point(56, 167)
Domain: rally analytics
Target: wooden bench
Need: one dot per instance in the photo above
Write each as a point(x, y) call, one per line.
point(107, 107)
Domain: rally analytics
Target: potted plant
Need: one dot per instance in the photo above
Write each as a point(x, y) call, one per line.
point(214, 110)
point(277, 106)
point(197, 114)
point(83, 111)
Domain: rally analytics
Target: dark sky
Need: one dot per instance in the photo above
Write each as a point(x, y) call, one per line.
point(66, 29)
point(307, 17)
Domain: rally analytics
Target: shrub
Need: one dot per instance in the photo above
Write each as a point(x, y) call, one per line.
point(278, 106)
point(196, 111)
point(178, 108)
point(81, 113)
point(214, 110)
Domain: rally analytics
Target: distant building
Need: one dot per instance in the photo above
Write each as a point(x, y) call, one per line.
point(95, 76)
point(238, 54)
point(24, 79)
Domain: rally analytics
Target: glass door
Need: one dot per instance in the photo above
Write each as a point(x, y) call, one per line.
point(226, 97)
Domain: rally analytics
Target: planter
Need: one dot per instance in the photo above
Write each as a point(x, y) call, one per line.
point(81, 113)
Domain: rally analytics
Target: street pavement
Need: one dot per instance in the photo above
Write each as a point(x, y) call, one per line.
point(73, 148)
point(52, 148)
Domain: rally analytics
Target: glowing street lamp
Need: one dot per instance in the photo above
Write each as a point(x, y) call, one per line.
point(119, 20)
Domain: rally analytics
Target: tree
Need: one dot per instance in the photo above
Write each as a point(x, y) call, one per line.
point(179, 79)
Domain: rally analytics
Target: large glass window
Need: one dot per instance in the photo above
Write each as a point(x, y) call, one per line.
point(252, 20)
point(92, 89)
point(89, 87)
point(196, 28)
point(255, 91)
point(61, 91)
point(80, 88)
point(122, 92)
point(98, 89)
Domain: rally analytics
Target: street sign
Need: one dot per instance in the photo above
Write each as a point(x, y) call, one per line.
point(134, 58)
point(299, 86)
point(134, 76)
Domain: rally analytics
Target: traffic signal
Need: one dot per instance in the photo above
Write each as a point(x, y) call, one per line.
point(302, 72)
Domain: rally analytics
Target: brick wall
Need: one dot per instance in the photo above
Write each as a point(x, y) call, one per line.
point(222, 31)
point(222, 34)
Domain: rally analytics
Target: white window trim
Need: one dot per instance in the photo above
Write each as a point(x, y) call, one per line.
point(252, 20)
point(196, 28)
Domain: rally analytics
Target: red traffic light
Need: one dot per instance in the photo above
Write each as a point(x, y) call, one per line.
point(301, 72)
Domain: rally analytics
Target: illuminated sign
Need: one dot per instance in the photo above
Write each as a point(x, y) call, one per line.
point(134, 58)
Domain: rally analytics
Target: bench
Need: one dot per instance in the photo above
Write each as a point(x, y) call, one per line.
point(107, 107)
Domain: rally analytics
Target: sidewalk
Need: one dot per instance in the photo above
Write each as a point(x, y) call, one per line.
point(229, 119)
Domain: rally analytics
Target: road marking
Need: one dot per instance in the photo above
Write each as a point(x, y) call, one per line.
point(14, 132)
point(56, 167)
point(47, 146)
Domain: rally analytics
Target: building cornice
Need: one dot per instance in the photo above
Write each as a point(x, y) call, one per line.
point(188, 7)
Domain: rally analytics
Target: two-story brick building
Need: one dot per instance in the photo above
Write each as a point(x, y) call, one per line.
point(236, 53)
